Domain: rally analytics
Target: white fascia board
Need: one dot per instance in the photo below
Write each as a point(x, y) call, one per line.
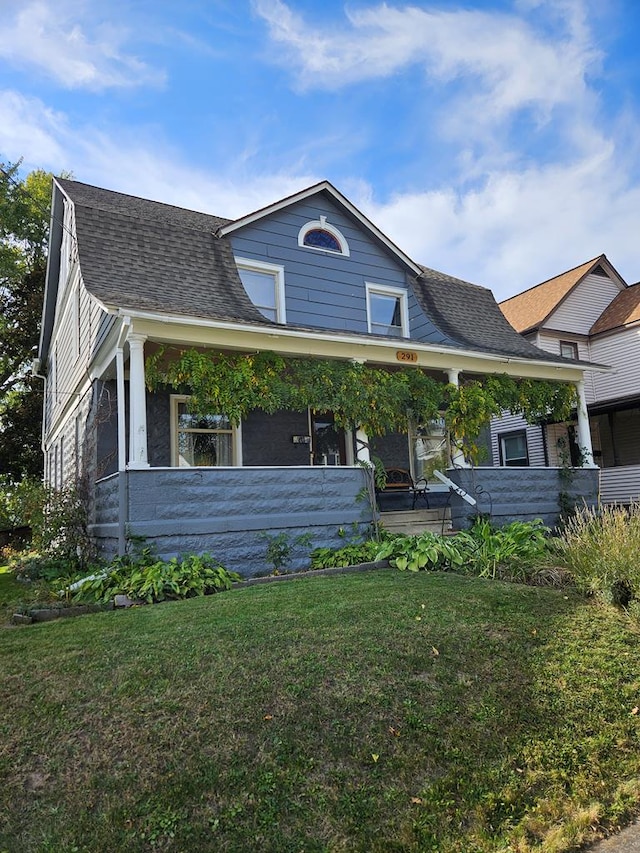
point(246, 336)
point(104, 357)
point(323, 186)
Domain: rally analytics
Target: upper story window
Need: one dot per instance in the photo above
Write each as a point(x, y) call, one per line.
point(387, 312)
point(264, 284)
point(569, 349)
point(318, 234)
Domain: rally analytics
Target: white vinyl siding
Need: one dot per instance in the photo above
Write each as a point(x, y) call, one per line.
point(620, 485)
point(584, 305)
point(621, 351)
point(509, 423)
point(550, 342)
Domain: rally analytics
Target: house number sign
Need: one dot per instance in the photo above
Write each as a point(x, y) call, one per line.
point(406, 355)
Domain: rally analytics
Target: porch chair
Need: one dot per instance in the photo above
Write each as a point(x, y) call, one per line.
point(400, 480)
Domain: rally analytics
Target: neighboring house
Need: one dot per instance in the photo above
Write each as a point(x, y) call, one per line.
point(308, 275)
point(589, 313)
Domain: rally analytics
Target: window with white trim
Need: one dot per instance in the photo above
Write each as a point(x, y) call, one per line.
point(202, 439)
point(569, 349)
point(264, 284)
point(320, 235)
point(513, 448)
point(387, 312)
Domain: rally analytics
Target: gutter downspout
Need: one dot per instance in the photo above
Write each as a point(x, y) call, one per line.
point(36, 366)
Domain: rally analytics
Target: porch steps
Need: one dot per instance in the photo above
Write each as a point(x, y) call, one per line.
point(415, 521)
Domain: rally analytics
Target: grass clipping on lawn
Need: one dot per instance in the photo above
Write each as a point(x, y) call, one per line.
point(373, 712)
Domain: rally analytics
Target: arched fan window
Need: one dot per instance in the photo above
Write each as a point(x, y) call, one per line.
point(319, 235)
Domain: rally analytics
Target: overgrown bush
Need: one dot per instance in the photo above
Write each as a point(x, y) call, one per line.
point(146, 578)
point(601, 548)
point(21, 503)
point(58, 522)
point(484, 550)
point(32, 566)
point(510, 551)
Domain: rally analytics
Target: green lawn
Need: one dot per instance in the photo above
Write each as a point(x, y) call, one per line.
point(373, 712)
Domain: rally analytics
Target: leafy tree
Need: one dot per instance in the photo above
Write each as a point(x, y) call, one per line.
point(24, 231)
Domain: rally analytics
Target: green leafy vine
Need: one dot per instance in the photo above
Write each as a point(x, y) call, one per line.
point(377, 400)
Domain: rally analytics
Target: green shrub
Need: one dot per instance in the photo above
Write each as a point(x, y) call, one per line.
point(145, 578)
point(426, 551)
point(511, 550)
point(280, 547)
point(483, 550)
point(600, 548)
point(33, 566)
point(348, 555)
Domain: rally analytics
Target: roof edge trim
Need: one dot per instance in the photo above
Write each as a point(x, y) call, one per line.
point(322, 186)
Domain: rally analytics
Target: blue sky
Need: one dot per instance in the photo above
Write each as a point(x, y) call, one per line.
point(495, 140)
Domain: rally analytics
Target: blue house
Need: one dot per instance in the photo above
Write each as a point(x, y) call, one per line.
point(308, 276)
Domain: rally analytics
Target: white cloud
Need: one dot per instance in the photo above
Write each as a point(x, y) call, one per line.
point(520, 228)
point(128, 161)
point(507, 63)
point(76, 53)
point(28, 128)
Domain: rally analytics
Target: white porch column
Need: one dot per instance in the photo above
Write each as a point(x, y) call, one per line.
point(137, 404)
point(584, 433)
point(457, 456)
point(362, 446)
point(122, 418)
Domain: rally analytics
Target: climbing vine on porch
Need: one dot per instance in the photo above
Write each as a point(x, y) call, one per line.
point(373, 398)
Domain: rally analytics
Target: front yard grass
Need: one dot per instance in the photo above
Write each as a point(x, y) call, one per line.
point(374, 712)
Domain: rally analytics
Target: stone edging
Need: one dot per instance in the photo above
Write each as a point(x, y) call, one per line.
point(339, 570)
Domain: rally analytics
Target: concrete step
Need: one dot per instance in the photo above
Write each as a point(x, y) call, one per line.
point(414, 522)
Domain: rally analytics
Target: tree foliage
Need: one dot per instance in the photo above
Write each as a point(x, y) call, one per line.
point(24, 230)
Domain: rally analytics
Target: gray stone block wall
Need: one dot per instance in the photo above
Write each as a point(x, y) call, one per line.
point(227, 511)
point(107, 500)
point(520, 494)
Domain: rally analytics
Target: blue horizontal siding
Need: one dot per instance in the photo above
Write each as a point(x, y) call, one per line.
point(322, 289)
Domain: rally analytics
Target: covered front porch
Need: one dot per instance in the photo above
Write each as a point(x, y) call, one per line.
point(195, 478)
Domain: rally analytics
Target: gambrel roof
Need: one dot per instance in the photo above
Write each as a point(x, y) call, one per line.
point(142, 255)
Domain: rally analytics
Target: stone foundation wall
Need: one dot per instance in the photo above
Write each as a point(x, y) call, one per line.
point(521, 494)
point(227, 511)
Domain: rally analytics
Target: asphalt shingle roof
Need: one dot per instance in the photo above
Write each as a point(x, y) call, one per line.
point(143, 255)
point(529, 309)
point(137, 254)
point(469, 315)
point(623, 311)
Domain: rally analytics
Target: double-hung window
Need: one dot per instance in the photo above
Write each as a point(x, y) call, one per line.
point(513, 448)
point(202, 439)
point(387, 312)
point(264, 284)
point(569, 349)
